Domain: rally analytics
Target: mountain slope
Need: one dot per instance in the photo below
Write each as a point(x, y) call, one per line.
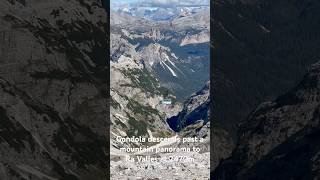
point(52, 83)
point(173, 52)
point(261, 50)
point(280, 139)
point(196, 108)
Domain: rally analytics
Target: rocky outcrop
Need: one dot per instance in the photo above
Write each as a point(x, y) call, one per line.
point(221, 145)
point(53, 90)
point(120, 46)
point(156, 54)
point(202, 37)
point(193, 121)
point(196, 108)
point(200, 20)
point(280, 139)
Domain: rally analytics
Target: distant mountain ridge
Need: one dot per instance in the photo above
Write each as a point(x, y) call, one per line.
point(159, 13)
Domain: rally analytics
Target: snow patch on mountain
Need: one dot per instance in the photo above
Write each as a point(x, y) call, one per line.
point(172, 71)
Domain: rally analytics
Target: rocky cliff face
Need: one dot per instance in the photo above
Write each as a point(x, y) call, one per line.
point(196, 108)
point(280, 139)
point(53, 90)
point(194, 121)
point(257, 39)
point(202, 37)
point(155, 55)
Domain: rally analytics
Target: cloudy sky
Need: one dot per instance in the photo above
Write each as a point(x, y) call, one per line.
point(159, 3)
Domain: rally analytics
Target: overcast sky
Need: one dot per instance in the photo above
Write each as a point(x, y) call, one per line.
point(159, 3)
